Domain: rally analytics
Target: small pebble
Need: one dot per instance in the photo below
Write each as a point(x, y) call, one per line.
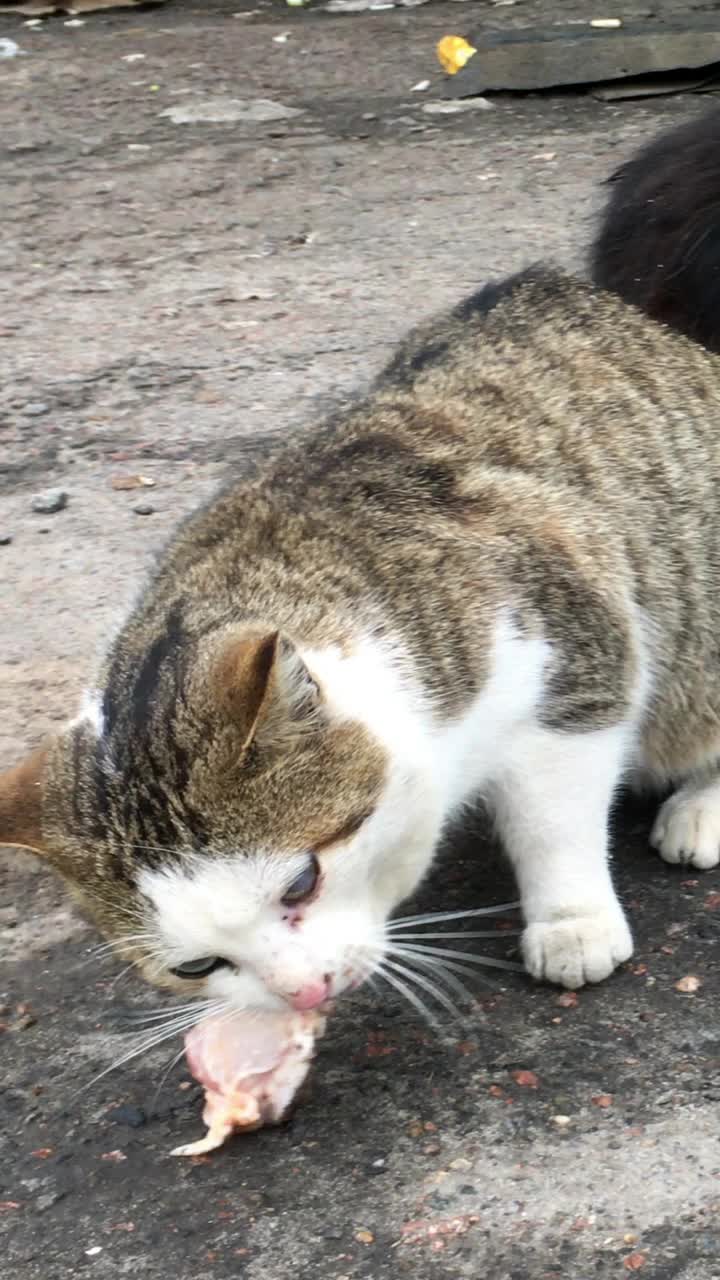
point(36, 409)
point(561, 1121)
point(5, 539)
point(49, 1199)
point(128, 1115)
point(454, 108)
point(49, 501)
point(143, 509)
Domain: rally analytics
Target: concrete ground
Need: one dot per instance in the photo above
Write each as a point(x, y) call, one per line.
point(166, 289)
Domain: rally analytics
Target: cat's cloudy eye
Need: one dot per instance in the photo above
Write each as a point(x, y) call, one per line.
point(303, 885)
point(199, 968)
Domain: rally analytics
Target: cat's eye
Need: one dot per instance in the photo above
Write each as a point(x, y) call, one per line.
point(303, 885)
point(200, 968)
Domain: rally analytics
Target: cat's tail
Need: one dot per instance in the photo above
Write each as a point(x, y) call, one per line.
point(658, 245)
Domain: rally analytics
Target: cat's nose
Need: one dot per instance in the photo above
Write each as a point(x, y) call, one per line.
point(312, 994)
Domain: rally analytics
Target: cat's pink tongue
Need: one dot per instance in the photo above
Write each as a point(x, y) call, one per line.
point(251, 1065)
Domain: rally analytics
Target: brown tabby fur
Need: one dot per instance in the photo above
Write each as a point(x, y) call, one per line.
point(544, 446)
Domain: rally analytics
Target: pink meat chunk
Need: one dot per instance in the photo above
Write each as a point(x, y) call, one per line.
point(251, 1065)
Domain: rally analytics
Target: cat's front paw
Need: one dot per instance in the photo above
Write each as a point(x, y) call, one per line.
point(687, 828)
point(577, 949)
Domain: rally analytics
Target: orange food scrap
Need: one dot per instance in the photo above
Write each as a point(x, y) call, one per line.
point(689, 984)
point(364, 1237)
point(634, 1261)
point(453, 52)
point(527, 1079)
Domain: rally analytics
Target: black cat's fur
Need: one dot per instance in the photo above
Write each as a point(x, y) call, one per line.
point(659, 241)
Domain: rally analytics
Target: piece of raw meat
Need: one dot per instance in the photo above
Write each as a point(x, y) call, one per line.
point(251, 1065)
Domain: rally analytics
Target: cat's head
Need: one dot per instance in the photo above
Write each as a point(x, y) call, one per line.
point(232, 815)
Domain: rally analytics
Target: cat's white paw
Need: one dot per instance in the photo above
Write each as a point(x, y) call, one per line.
point(577, 949)
point(687, 828)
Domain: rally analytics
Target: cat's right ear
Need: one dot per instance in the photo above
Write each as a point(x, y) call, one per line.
point(21, 802)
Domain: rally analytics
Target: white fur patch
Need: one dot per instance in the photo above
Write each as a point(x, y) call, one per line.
point(687, 828)
point(470, 751)
point(90, 712)
point(375, 686)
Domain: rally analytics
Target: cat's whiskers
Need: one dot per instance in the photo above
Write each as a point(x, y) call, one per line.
point(467, 957)
point(156, 1015)
point(495, 934)
point(425, 983)
point(173, 1026)
point(437, 917)
point(397, 970)
point(443, 970)
point(131, 912)
point(224, 1016)
point(121, 949)
point(104, 948)
point(122, 974)
point(411, 958)
point(173, 1063)
point(393, 980)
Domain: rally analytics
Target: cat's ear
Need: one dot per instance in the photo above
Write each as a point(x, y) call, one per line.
point(21, 792)
point(265, 685)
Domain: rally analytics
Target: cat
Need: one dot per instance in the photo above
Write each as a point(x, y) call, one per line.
point(495, 574)
point(659, 242)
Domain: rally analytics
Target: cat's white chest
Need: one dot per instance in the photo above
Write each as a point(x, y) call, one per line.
point(471, 750)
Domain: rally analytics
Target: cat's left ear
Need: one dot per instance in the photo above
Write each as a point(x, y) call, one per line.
point(21, 802)
point(262, 681)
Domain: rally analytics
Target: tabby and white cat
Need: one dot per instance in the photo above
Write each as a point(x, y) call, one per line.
point(496, 574)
